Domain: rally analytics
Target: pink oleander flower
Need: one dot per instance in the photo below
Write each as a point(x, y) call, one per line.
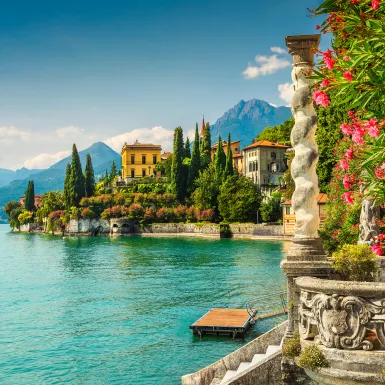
point(317, 27)
point(321, 98)
point(329, 62)
point(382, 167)
point(348, 198)
point(351, 114)
point(377, 249)
point(325, 83)
point(358, 134)
point(379, 172)
point(346, 129)
point(347, 58)
point(381, 237)
point(348, 76)
point(347, 181)
point(375, 4)
point(354, 1)
point(344, 164)
point(372, 127)
point(349, 154)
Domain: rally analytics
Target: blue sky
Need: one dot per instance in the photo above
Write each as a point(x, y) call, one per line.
point(113, 70)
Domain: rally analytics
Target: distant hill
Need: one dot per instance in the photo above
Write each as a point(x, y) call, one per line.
point(7, 176)
point(53, 177)
point(246, 120)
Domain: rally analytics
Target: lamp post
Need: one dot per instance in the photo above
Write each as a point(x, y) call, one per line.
point(306, 256)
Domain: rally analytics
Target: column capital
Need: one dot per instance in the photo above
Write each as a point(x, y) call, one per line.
point(303, 48)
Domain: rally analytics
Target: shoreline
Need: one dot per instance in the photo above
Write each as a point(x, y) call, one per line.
point(281, 238)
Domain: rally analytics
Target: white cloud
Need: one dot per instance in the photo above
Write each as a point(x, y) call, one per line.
point(154, 135)
point(278, 50)
point(45, 160)
point(286, 91)
point(9, 133)
point(266, 65)
point(68, 132)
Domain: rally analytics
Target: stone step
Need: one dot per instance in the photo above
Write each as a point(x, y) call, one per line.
point(272, 349)
point(257, 358)
point(243, 366)
point(228, 376)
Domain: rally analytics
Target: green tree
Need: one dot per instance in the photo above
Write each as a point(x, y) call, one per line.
point(177, 178)
point(328, 134)
point(89, 177)
point(13, 209)
point(270, 209)
point(239, 200)
point(67, 187)
point(187, 150)
point(77, 185)
point(50, 201)
point(229, 168)
point(206, 147)
point(29, 197)
point(195, 161)
point(278, 134)
point(206, 194)
point(220, 160)
point(113, 172)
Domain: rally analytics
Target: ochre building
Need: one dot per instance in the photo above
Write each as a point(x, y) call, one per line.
point(139, 159)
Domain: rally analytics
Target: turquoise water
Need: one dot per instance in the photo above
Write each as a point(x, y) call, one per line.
point(117, 311)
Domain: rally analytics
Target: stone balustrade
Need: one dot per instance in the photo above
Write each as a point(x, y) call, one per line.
point(342, 315)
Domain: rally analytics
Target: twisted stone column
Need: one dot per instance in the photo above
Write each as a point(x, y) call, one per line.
point(306, 256)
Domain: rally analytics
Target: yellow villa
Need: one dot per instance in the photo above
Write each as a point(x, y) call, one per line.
point(139, 160)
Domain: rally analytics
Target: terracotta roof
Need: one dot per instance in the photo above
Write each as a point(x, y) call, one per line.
point(224, 143)
point(238, 156)
point(321, 200)
point(142, 145)
point(265, 143)
point(166, 155)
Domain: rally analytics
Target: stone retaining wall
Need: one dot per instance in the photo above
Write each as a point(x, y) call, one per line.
point(87, 227)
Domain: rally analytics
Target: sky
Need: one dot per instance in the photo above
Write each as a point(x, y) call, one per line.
point(116, 71)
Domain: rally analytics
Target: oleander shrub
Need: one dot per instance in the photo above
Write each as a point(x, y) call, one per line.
point(135, 211)
point(312, 358)
point(165, 215)
point(88, 213)
point(192, 214)
point(115, 212)
point(207, 215)
point(180, 213)
point(149, 215)
point(355, 262)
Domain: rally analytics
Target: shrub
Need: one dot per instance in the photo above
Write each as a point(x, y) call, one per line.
point(114, 212)
point(165, 215)
point(207, 215)
point(55, 220)
point(135, 211)
point(88, 213)
point(312, 358)
point(150, 215)
point(193, 214)
point(75, 213)
point(25, 217)
point(180, 213)
point(355, 262)
point(292, 347)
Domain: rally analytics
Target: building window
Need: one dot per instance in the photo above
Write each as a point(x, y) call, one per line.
point(143, 159)
point(250, 166)
point(273, 155)
point(154, 160)
point(268, 167)
point(287, 210)
point(274, 167)
point(132, 173)
point(143, 172)
point(132, 159)
point(256, 166)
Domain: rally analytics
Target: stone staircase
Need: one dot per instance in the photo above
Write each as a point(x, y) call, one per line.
point(245, 367)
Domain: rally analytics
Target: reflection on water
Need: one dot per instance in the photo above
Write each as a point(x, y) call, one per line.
point(117, 311)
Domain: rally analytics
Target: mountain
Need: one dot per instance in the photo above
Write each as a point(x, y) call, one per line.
point(247, 119)
point(53, 177)
point(7, 176)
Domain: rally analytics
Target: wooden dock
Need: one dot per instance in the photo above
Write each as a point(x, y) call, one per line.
point(221, 321)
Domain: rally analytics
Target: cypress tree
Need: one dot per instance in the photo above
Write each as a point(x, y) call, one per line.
point(206, 147)
point(29, 197)
point(77, 185)
point(220, 160)
point(67, 187)
point(187, 151)
point(229, 168)
point(106, 176)
point(177, 177)
point(89, 177)
point(195, 161)
point(113, 171)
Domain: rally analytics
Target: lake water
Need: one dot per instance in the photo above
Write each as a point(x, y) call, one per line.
point(117, 310)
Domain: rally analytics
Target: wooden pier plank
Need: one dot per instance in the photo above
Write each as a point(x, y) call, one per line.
point(218, 317)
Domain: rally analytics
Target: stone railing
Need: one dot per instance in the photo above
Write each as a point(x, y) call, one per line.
point(342, 315)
